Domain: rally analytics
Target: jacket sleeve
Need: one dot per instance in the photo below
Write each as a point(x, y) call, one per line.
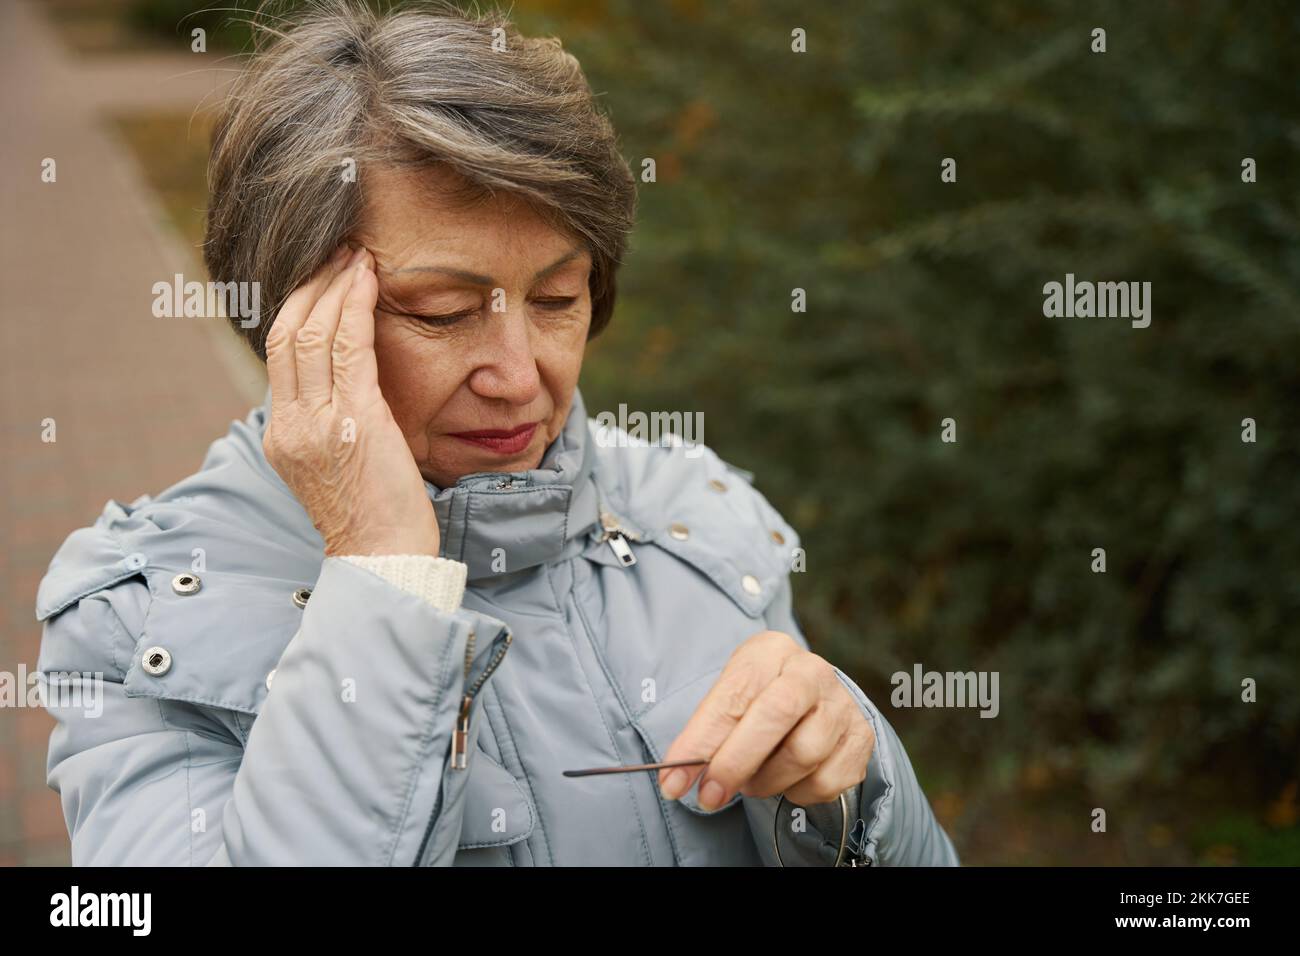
point(325, 776)
point(901, 826)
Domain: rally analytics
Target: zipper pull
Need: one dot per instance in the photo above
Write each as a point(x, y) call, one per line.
point(617, 540)
point(460, 738)
point(622, 550)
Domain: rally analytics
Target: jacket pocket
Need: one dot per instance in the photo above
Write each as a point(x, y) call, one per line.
point(660, 723)
point(497, 810)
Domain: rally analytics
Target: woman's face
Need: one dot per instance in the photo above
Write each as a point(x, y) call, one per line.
point(481, 323)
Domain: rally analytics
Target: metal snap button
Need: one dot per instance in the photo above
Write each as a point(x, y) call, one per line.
point(186, 584)
point(751, 585)
point(300, 597)
point(156, 661)
point(679, 531)
point(270, 677)
point(717, 485)
point(778, 537)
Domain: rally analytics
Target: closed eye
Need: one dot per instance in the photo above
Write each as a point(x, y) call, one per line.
point(556, 303)
point(550, 304)
point(439, 320)
point(450, 318)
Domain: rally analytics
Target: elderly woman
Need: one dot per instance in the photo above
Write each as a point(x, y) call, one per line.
point(414, 588)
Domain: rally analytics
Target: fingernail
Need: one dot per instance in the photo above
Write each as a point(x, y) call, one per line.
point(357, 256)
point(674, 784)
point(711, 794)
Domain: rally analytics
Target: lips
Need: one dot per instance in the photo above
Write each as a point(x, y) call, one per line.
point(502, 442)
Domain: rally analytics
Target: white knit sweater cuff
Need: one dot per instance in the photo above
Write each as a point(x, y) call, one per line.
point(440, 581)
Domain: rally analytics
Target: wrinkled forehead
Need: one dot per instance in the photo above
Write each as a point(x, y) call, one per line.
point(410, 214)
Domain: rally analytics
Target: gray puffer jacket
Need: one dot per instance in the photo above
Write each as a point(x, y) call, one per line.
point(260, 704)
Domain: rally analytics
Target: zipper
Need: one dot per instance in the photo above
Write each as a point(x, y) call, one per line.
point(617, 537)
point(460, 736)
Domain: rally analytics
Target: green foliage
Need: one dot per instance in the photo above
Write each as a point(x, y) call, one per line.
point(821, 171)
point(225, 22)
point(220, 20)
point(1251, 843)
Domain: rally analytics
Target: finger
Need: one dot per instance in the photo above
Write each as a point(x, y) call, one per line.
point(355, 370)
point(804, 749)
point(315, 340)
point(845, 767)
point(723, 706)
point(281, 371)
point(751, 667)
point(772, 715)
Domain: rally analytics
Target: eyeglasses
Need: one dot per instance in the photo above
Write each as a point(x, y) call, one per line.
point(820, 834)
point(802, 841)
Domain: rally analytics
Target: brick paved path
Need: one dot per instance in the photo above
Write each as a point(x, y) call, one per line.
point(135, 399)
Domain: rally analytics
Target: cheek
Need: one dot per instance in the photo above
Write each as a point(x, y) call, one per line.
point(560, 347)
point(559, 359)
point(417, 375)
point(560, 356)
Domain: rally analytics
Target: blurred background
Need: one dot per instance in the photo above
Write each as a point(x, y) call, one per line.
point(820, 171)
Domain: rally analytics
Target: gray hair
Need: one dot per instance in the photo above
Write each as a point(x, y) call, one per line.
point(338, 86)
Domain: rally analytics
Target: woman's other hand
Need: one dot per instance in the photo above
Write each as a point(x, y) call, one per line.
point(332, 437)
point(778, 720)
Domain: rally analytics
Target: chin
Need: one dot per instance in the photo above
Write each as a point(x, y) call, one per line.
point(463, 465)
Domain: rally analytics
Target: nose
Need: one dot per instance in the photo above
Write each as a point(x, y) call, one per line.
point(508, 368)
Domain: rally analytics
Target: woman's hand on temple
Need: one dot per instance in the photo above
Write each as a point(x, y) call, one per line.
point(778, 720)
point(332, 436)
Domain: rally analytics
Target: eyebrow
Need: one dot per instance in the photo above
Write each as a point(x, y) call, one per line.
point(482, 280)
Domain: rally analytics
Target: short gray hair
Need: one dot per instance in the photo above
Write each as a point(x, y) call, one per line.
point(424, 85)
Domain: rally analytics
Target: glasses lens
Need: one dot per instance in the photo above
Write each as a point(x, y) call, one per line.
point(808, 836)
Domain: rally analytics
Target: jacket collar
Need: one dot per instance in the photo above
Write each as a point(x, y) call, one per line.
point(502, 522)
point(499, 522)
